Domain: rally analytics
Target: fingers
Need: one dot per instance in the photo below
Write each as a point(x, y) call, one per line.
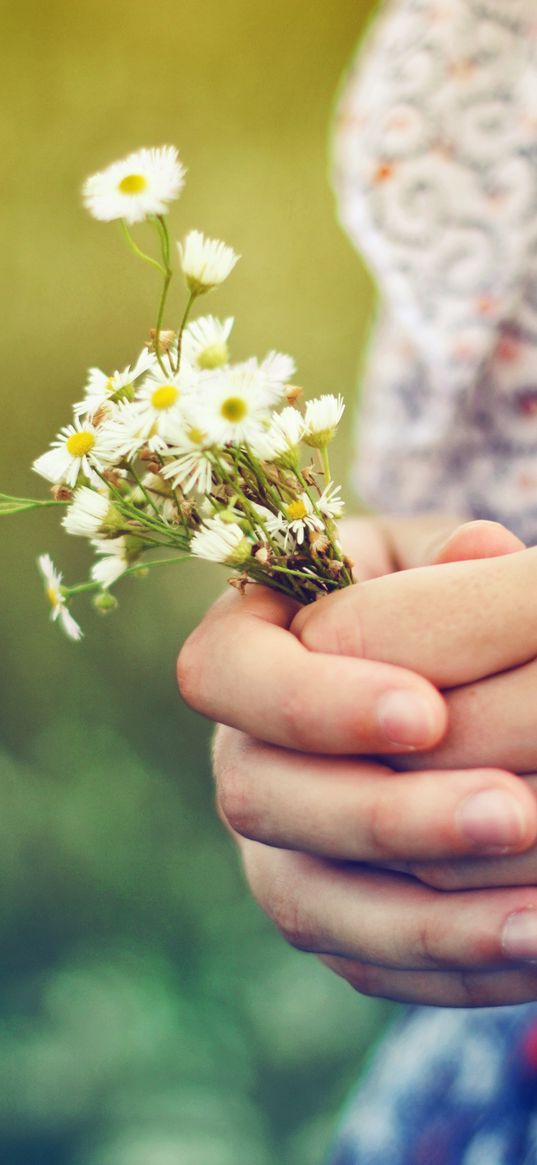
point(440, 988)
point(241, 667)
point(478, 539)
point(452, 623)
point(379, 546)
point(466, 874)
point(355, 810)
point(389, 920)
point(491, 722)
point(413, 539)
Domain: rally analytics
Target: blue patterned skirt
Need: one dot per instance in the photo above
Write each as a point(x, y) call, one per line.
point(448, 1088)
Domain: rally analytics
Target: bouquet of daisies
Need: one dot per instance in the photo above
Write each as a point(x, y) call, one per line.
point(184, 451)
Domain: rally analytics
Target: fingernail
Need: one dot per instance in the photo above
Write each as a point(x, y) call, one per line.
point(492, 818)
point(519, 935)
point(405, 718)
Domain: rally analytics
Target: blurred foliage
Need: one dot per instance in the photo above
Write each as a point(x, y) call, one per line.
point(149, 1014)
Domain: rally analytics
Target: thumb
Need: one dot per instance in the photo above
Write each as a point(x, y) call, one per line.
point(453, 622)
point(479, 539)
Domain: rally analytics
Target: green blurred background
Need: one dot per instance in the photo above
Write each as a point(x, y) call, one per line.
point(150, 1015)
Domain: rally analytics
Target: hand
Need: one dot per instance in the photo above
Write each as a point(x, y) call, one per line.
point(340, 808)
point(489, 722)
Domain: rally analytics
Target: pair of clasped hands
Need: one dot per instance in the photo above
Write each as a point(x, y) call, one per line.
point(376, 759)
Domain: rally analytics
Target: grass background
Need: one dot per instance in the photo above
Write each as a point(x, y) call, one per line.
point(149, 1013)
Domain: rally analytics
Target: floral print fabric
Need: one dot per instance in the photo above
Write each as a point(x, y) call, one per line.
point(436, 174)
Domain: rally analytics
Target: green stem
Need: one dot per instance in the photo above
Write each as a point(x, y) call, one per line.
point(127, 509)
point(337, 553)
point(326, 463)
point(307, 490)
point(265, 580)
point(270, 489)
point(162, 231)
point(151, 539)
point(34, 501)
point(92, 585)
point(147, 497)
point(311, 578)
point(148, 522)
point(164, 238)
point(9, 506)
point(136, 249)
point(181, 328)
point(132, 513)
point(255, 519)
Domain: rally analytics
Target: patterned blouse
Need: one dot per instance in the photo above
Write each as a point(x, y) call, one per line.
point(436, 174)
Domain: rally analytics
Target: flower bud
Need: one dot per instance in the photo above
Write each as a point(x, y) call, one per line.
point(104, 602)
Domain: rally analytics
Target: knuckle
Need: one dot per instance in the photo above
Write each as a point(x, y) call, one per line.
point(366, 979)
point(333, 625)
point(296, 717)
point(475, 990)
point(235, 797)
point(385, 827)
point(430, 938)
point(285, 906)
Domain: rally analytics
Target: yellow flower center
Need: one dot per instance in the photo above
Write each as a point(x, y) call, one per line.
point(233, 408)
point(165, 396)
point(213, 356)
point(53, 596)
point(78, 444)
point(197, 436)
point(133, 184)
point(296, 510)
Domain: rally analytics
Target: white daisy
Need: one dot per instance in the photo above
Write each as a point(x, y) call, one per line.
point(270, 524)
point(331, 504)
point(103, 390)
point(295, 519)
point(233, 406)
point(282, 437)
point(221, 541)
point(142, 184)
point(91, 513)
point(192, 468)
point(159, 402)
point(123, 433)
point(135, 425)
point(322, 418)
point(204, 344)
point(205, 262)
point(117, 555)
point(76, 449)
point(278, 369)
point(270, 374)
point(53, 591)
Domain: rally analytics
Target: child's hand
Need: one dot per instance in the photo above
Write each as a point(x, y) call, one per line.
point(387, 932)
